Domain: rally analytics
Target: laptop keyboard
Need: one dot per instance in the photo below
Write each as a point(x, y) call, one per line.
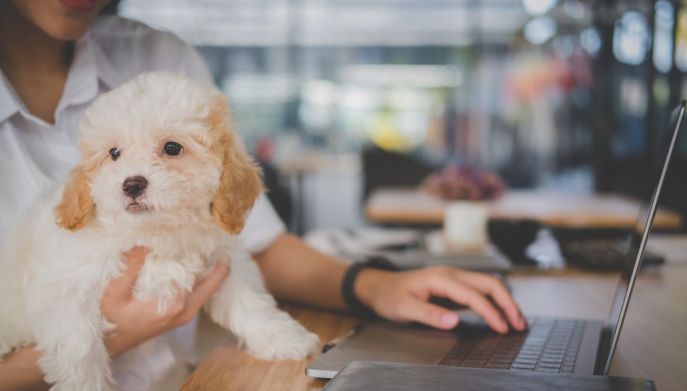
point(549, 345)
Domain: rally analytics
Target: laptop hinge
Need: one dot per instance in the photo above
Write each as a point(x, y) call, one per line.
point(602, 354)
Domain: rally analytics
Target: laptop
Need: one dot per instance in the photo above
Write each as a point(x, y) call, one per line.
point(550, 345)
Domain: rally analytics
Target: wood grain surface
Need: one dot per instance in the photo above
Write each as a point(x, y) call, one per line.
point(409, 206)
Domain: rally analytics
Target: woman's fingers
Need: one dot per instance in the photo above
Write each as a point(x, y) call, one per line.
point(207, 287)
point(123, 286)
point(496, 290)
point(423, 312)
point(464, 294)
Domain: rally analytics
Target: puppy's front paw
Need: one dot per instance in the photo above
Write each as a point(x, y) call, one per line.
point(280, 339)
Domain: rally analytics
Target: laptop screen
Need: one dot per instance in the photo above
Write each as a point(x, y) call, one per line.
point(639, 235)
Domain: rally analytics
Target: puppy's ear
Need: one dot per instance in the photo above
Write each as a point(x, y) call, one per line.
point(77, 207)
point(240, 182)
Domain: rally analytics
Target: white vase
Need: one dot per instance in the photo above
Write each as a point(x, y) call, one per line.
point(465, 226)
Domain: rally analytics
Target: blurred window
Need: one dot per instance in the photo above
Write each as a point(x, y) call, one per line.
point(631, 38)
point(663, 37)
point(503, 84)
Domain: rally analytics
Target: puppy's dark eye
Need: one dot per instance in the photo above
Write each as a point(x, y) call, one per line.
point(115, 153)
point(172, 148)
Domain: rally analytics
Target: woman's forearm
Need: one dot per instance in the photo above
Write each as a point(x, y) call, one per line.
point(294, 271)
point(19, 371)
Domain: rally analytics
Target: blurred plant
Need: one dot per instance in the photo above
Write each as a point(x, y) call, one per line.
point(464, 182)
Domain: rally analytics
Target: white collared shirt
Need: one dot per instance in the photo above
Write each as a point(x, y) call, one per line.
point(34, 153)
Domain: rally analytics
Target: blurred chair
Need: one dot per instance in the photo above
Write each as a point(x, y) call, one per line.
point(277, 192)
point(391, 169)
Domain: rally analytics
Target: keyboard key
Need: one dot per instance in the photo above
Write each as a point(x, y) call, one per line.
point(560, 353)
point(544, 369)
point(523, 366)
point(529, 352)
point(525, 362)
point(548, 365)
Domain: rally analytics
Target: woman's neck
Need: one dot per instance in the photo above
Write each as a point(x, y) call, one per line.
point(33, 62)
point(24, 46)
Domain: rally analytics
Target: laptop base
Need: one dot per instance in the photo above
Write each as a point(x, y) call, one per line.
point(381, 341)
point(404, 377)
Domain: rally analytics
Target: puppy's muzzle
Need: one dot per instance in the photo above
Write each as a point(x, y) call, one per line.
point(134, 186)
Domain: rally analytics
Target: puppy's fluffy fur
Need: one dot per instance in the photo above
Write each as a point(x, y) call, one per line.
point(55, 265)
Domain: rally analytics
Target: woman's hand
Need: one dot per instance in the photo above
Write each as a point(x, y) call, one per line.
point(404, 296)
point(294, 271)
point(137, 321)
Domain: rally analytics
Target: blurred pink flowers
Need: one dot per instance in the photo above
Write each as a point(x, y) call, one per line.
point(468, 183)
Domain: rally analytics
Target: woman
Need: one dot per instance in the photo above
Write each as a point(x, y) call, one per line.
point(56, 56)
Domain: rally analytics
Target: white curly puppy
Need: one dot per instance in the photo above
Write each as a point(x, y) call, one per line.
point(160, 168)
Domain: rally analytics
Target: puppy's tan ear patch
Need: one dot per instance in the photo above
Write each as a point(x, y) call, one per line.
point(240, 182)
point(77, 207)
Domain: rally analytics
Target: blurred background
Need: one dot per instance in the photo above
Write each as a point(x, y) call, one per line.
point(338, 98)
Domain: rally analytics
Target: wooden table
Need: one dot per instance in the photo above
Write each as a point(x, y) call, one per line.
point(410, 206)
point(653, 343)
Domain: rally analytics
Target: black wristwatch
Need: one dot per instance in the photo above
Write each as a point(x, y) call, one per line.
point(354, 304)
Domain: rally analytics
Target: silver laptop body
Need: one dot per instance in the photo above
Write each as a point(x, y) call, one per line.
point(595, 342)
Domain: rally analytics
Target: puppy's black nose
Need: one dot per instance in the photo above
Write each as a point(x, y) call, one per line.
point(134, 186)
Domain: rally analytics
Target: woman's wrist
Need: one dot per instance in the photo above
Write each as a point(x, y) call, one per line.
point(367, 284)
point(19, 371)
point(116, 345)
point(359, 295)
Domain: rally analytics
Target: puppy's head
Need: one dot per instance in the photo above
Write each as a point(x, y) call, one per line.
point(160, 150)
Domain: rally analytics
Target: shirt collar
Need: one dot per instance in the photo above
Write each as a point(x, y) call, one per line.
point(105, 69)
point(90, 66)
point(9, 102)
point(82, 79)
